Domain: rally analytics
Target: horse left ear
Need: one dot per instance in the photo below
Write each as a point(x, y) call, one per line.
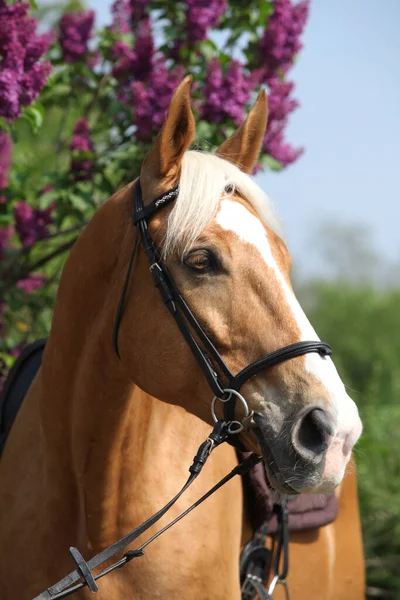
point(243, 146)
point(161, 166)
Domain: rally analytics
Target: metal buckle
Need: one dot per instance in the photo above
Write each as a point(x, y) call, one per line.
point(234, 427)
point(278, 581)
point(153, 266)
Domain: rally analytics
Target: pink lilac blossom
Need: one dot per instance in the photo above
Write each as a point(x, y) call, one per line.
point(139, 9)
point(280, 105)
point(226, 95)
point(31, 224)
point(75, 33)
point(202, 15)
point(281, 40)
point(127, 14)
point(22, 73)
point(151, 99)
point(121, 11)
point(81, 142)
point(32, 283)
point(137, 63)
point(5, 235)
point(275, 145)
point(5, 158)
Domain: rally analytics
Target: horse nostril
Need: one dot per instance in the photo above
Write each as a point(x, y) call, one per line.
point(311, 436)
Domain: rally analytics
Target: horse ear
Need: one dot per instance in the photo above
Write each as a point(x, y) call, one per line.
point(243, 146)
point(160, 168)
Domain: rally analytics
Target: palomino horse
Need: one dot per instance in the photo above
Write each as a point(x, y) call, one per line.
point(102, 442)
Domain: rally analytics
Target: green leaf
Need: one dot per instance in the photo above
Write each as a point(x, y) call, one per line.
point(77, 202)
point(33, 4)
point(34, 115)
point(4, 125)
point(60, 89)
point(46, 199)
point(9, 360)
point(14, 134)
point(273, 164)
point(6, 219)
point(204, 130)
point(208, 49)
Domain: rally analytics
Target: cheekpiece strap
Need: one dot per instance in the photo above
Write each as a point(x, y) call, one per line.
point(160, 202)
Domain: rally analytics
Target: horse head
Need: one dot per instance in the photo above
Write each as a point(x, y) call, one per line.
point(222, 243)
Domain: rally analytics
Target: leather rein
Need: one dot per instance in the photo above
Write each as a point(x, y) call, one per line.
point(224, 385)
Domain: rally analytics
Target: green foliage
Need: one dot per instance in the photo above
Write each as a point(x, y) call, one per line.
point(362, 324)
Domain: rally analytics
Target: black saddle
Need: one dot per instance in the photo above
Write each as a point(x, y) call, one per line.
point(16, 386)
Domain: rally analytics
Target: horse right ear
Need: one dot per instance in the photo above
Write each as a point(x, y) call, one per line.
point(161, 166)
point(243, 146)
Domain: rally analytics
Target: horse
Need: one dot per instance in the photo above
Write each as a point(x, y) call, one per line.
point(105, 435)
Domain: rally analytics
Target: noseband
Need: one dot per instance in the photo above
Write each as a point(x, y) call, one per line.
point(224, 385)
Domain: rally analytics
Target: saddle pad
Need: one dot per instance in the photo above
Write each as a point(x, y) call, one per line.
point(16, 386)
point(306, 511)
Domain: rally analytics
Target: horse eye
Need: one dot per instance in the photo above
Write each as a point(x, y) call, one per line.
point(200, 261)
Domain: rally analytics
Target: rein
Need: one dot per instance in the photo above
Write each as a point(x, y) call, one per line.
point(65, 587)
point(225, 387)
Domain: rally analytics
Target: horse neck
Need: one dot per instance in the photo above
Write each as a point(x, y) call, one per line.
point(101, 433)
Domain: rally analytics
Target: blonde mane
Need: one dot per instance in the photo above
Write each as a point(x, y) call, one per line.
point(205, 180)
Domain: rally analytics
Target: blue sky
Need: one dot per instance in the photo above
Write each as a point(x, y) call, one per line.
point(348, 83)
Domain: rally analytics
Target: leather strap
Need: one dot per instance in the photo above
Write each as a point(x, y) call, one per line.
point(63, 588)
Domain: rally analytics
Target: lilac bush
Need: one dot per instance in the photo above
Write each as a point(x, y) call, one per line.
point(93, 116)
point(22, 72)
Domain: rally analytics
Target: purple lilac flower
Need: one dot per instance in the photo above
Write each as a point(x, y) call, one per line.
point(280, 105)
point(5, 234)
point(202, 15)
point(275, 145)
point(226, 96)
point(31, 224)
point(124, 58)
point(81, 142)
point(281, 40)
point(136, 63)
point(138, 8)
point(127, 14)
point(75, 33)
point(22, 73)
point(32, 283)
point(121, 11)
point(5, 158)
point(151, 99)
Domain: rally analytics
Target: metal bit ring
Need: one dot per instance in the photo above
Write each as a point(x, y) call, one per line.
point(237, 425)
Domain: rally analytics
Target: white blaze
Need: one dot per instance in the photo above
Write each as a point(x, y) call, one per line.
point(235, 217)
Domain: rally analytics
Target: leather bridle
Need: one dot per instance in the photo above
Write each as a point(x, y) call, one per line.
point(224, 385)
